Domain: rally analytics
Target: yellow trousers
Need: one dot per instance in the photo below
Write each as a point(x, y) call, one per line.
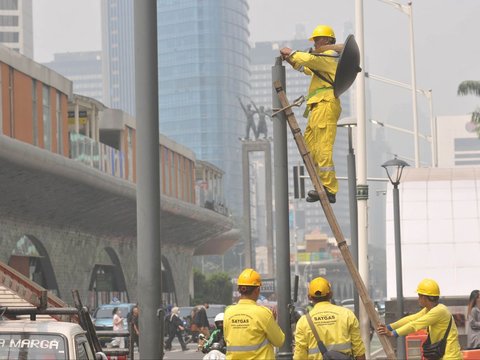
point(320, 136)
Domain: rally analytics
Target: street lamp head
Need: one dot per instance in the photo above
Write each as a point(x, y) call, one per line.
point(394, 169)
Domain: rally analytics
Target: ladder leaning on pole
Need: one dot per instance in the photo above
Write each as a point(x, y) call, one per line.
point(332, 220)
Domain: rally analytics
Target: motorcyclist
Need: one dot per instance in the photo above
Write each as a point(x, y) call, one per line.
point(216, 340)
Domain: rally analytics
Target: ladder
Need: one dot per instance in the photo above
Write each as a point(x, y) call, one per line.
point(332, 220)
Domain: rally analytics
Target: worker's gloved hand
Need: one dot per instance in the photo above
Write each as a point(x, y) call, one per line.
point(285, 52)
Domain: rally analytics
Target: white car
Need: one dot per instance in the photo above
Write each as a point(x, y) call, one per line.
point(44, 339)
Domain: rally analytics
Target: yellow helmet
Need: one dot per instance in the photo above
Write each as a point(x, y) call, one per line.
point(249, 277)
point(319, 287)
point(322, 30)
point(428, 287)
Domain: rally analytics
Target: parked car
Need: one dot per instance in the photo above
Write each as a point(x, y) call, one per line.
point(103, 318)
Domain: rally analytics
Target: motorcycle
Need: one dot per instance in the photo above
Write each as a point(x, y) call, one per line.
point(215, 353)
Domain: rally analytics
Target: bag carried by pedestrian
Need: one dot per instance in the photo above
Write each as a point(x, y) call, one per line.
point(436, 350)
point(326, 354)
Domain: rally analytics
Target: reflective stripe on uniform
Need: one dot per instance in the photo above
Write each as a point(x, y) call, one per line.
point(336, 347)
point(247, 347)
point(312, 94)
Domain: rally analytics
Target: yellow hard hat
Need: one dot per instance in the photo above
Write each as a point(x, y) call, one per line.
point(322, 30)
point(319, 287)
point(428, 287)
point(249, 277)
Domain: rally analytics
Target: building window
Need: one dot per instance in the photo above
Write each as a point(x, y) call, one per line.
point(34, 112)
point(8, 20)
point(59, 124)
point(47, 119)
point(8, 4)
point(9, 36)
point(11, 94)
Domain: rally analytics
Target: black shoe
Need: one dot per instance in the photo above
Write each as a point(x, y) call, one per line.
point(313, 196)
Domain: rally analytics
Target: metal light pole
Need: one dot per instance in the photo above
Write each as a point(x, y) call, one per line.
point(280, 162)
point(362, 186)
point(349, 123)
point(429, 96)
point(149, 238)
point(394, 169)
point(407, 9)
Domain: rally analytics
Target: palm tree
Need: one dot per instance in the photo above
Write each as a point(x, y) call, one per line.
point(469, 87)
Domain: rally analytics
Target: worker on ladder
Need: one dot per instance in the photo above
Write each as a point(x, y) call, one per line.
point(323, 108)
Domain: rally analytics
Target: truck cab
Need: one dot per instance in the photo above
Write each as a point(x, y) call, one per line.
point(44, 339)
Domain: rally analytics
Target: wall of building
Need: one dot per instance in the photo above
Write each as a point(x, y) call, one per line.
point(440, 229)
point(73, 256)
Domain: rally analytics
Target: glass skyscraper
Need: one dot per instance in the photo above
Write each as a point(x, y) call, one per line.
point(204, 59)
point(118, 59)
point(203, 69)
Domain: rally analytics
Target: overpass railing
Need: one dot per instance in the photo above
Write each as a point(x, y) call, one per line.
point(97, 155)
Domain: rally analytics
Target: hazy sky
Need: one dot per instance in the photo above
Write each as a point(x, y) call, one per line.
point(446, 42)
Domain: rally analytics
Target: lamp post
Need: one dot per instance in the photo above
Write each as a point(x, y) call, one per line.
point(349, 123)
point(429, 96)
point(394, 169)
point(407, 9)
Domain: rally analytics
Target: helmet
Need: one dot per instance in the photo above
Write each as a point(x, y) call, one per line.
point(322, 30)
point(249, 277)
point(219, 317)
point(428, 287)
point(319, 287)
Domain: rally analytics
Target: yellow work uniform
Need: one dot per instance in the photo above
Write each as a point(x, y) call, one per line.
point(337, 327)
point(324, 113)
point(436, 320)
point(251, 331)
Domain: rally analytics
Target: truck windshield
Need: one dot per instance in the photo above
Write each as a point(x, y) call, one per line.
point(25, 346)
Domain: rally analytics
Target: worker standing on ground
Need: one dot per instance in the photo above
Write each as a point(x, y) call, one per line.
point(251, 330)
point(323, 108)
point(335, 326)
point(434, 316)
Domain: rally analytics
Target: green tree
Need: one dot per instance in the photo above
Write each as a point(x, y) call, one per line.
point(470, 87)
point(216, 289)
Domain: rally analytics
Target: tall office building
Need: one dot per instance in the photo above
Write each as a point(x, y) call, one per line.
point(16, 25)
point(118, 55)
point(203, 69)
point(84, 69)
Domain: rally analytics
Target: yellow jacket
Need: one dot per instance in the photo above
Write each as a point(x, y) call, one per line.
point(337, 327)
point(436, 320)
point(251, 331)
point(327, 66)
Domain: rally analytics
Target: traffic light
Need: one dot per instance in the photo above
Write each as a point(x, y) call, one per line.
point(299, 182)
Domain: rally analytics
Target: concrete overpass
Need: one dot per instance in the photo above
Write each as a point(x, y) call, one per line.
point(81, 218)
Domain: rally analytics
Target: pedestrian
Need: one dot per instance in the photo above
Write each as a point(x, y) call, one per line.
point(175, 328)
point(433, 316)
point(133, 327)
point(251, 330)
point(473, 320)
point(327, 327)
point(323, 108)
point(203, 326)
point(118, 325)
